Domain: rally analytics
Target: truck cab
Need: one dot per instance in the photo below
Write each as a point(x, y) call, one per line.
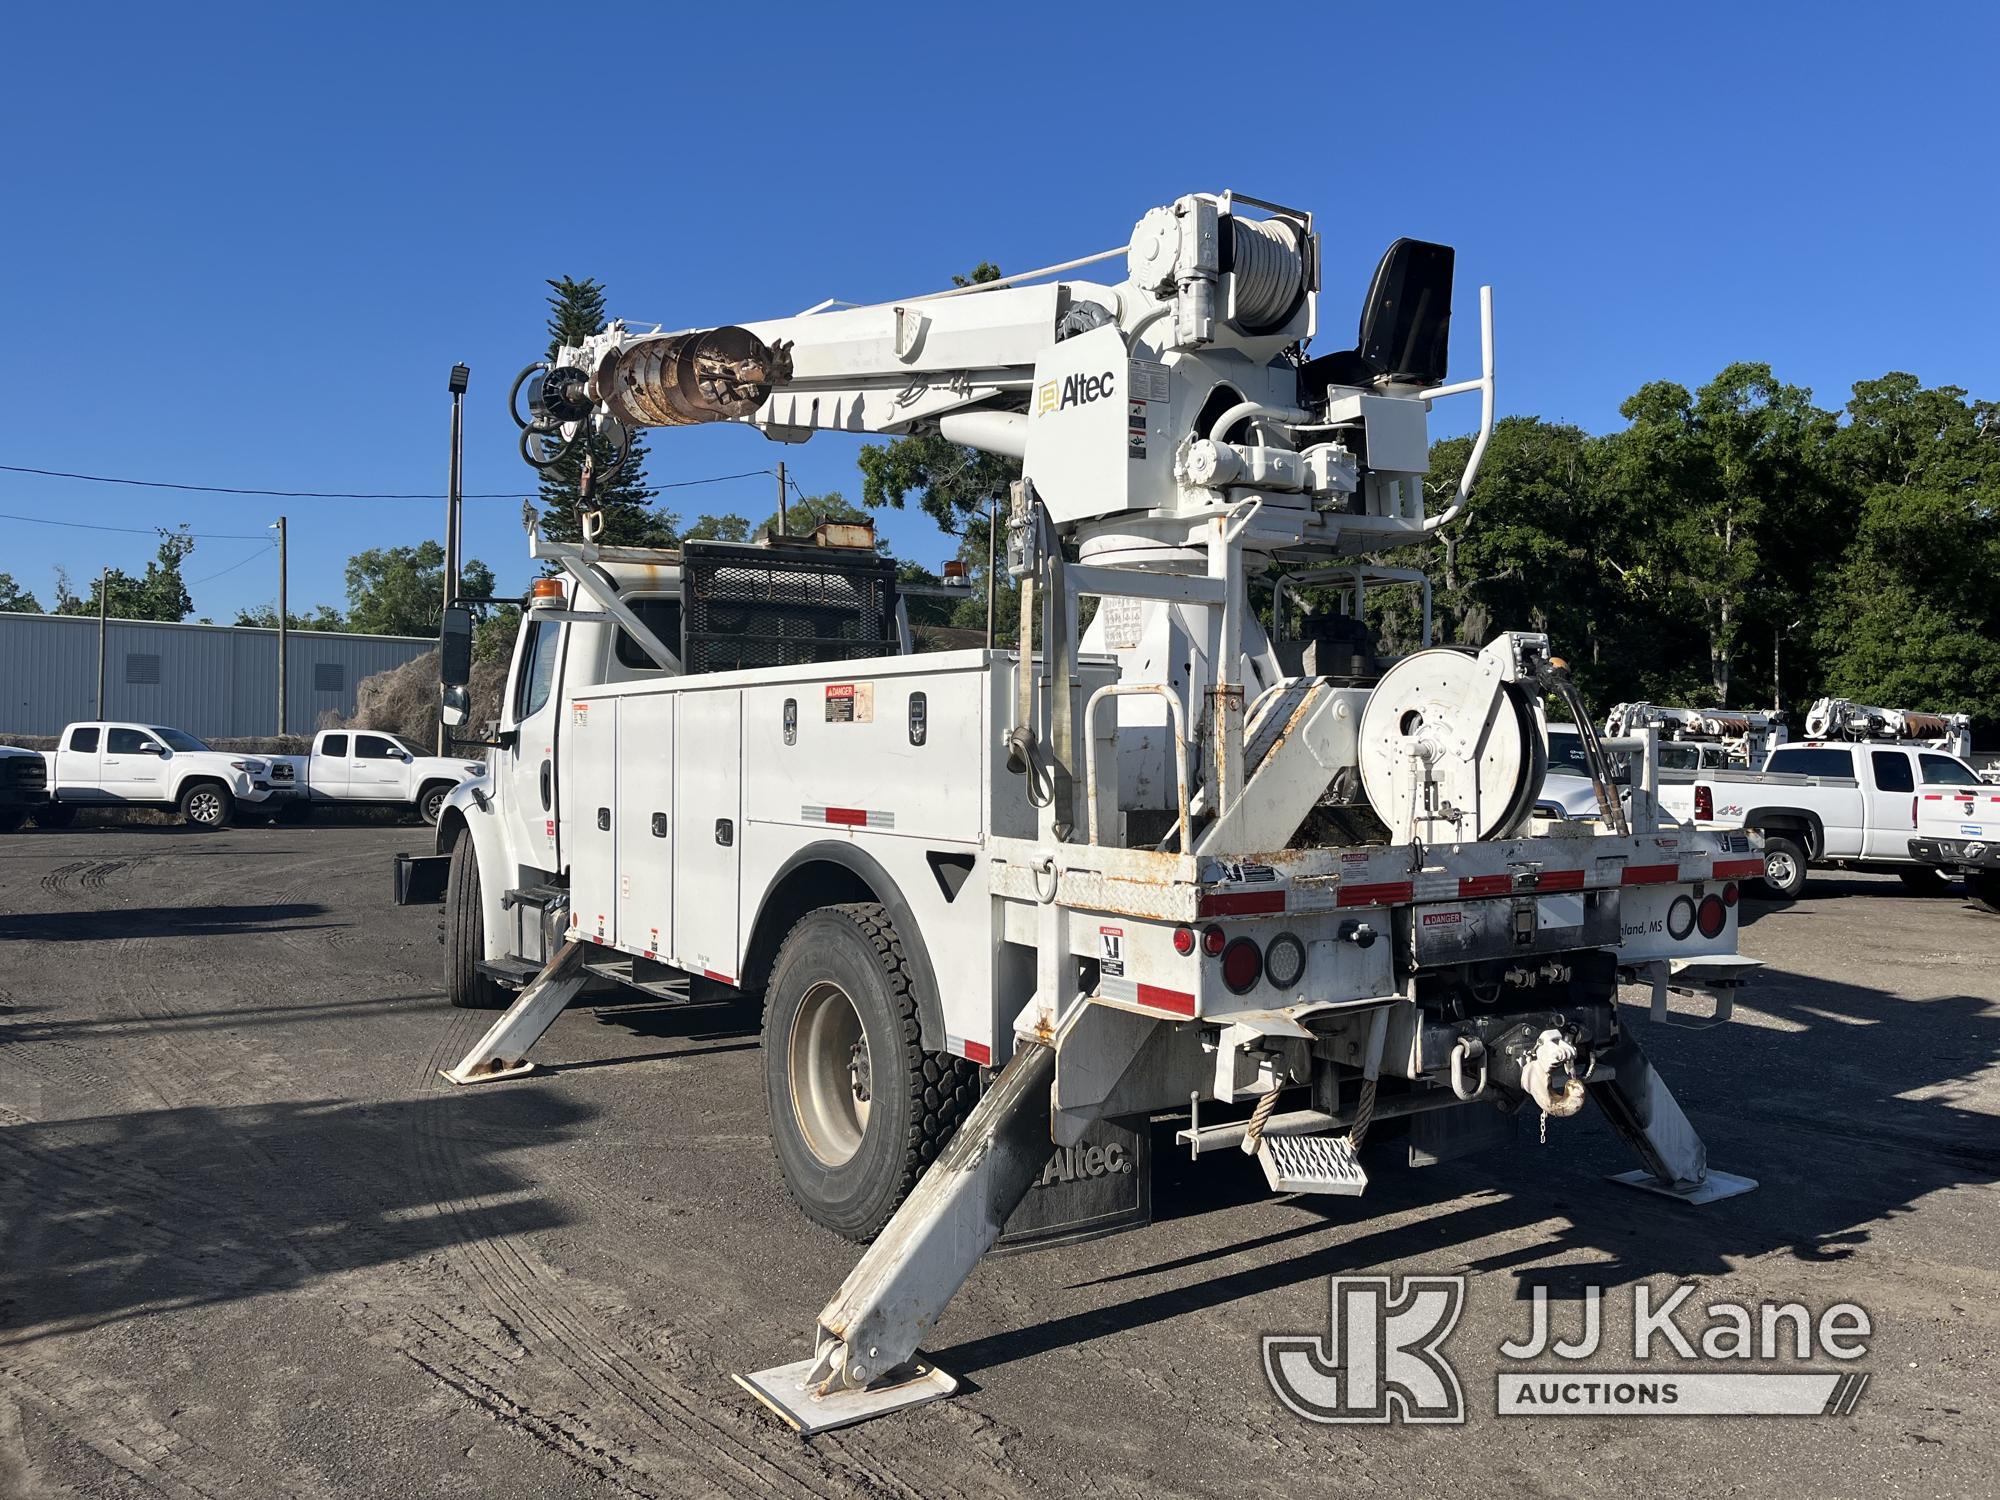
point(104, 763)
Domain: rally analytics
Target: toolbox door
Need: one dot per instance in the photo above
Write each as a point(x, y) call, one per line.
point(708, 831)
point(645, 822)
point(589, 814)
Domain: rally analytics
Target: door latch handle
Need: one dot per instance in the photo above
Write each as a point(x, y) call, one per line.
point(604, 819)
point(725, 831)
point(659, 825)
point(546, 785)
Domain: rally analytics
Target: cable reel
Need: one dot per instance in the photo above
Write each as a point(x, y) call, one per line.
point(1451, 752)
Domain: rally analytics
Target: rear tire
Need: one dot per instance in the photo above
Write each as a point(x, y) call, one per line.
point(1923, 880)
point(54, 815)
point(1784, 868)
point(465, 936)
point(207, 805)
point(1985, 888)
point(858, 1108)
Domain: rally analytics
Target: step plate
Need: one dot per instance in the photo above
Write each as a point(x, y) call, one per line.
point(1311, 1164)
point(1711, 1189)
point(783, 1388)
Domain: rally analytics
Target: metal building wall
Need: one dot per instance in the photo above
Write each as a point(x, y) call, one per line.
point(213, 679)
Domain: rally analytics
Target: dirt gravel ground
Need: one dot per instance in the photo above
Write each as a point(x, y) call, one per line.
point(252, 1246)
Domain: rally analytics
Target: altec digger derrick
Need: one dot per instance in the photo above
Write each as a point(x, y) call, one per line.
point(996, 901)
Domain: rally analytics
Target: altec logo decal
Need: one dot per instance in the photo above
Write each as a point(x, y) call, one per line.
point(1074, 390)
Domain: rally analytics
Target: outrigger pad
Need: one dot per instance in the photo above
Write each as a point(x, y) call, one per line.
point(1711, 1189)
point(783, 1388)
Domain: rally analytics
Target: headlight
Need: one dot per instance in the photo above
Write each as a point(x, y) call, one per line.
point(479, 770)
point(254, 767)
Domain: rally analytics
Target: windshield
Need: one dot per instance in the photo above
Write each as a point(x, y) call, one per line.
point(1566, 753)
point(175, 739)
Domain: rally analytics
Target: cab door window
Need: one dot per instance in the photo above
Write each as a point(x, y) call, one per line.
point(538, 670)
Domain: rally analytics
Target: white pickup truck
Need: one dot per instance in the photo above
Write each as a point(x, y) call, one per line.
point(353, 767)
point(1852, 804)
point(1958, 833)
point(102, 764)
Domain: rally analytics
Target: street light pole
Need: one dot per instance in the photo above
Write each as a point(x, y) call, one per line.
point(284, 624)
point(103, 618)
point(461, 377)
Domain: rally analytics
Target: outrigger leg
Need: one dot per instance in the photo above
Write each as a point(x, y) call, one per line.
point(503, 1051)
point(1643, 1110)
point(865, 1361)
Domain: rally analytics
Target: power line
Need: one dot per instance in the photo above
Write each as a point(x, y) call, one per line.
point(233, 566)
point(223, 489)
point(206, 536)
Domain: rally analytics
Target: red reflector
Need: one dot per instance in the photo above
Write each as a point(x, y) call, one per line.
point(1559, 880)
point(1242, 966)
point(1183, 940)
point(1240, 903)
point(1178, 1002)
point(1212, 940)
point(855, 817)
point(1704, 805)
point(1711, 916)
point(1729, 894)
point(1470, 886)
point(1737, 869)
point(979, 1052)
point(1650, 875)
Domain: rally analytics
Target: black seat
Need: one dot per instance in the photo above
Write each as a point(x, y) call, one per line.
point(1405, 335)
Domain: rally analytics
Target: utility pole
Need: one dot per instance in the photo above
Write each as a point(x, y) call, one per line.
point(461, 377)
point(103, 591)
point(284, 625)
point(782, 526)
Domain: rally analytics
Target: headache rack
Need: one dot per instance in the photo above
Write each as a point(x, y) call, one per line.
point(782, 606)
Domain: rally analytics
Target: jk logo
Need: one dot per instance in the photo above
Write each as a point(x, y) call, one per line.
point(1379, 1360)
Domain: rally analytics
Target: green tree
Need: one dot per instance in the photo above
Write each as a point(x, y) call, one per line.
point(16, 599)
point(160, 593)
point(265, 616)
point(576, 311)
point(400, 590)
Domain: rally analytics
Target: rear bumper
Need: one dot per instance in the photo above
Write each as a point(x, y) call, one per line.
point(1956, 854)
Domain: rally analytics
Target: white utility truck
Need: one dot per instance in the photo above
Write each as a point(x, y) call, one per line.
point(1702, 739)
point(1848, 804)
point(103, 764)
point(1840, 719)
point(365, 767)
point(995, 900)
point(1958, 833)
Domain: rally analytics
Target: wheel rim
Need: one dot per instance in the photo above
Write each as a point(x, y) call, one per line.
point(1779, 868)
point(205, 807)
point(830, 1074)
point(432, 804)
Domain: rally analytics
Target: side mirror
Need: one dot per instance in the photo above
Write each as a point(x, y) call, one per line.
point(455, 648)
point(454, 705)
point(149, 747)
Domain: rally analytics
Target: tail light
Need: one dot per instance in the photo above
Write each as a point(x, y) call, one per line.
point(1729, 894)
point(1242, 966)
point(1285, 960)
point(1704, 804)
point(1212, 940)
point(1711, 916)
point(1680, 918)
point(1184, 941)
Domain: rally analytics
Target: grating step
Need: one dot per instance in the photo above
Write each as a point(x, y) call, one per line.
point(1311, 1164)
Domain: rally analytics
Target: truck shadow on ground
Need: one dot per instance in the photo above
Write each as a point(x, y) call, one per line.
point(697, 1030)
point(118, 1216)
point(163, 921)
point(1840, 1105)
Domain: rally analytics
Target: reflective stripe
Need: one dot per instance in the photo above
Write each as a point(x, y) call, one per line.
point(1738, 869)
point(1240, 903)
point(1651, 874)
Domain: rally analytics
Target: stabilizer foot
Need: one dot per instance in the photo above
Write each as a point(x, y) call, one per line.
point(503, 1051)
point(1711, 1189)
point(788, 1391)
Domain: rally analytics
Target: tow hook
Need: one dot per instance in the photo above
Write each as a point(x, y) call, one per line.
point(1547, 1078)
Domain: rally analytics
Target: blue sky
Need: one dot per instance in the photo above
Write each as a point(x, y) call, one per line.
point(245, 245)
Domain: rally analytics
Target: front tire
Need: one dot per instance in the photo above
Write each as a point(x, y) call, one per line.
point(1923, 880)
point(12, 818)
point(465, 935)
point(430, 804)
point(1784, 868)
point(207, 805)
point(858, 1108)
point(54, 815)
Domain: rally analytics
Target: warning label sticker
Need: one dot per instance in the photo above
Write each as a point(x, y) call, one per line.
point(850, 703)
point(1111, 952)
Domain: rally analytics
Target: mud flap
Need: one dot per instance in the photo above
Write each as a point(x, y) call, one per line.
point(1100, 1185)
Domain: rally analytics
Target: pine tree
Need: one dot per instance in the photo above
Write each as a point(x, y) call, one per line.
point(576, 310)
